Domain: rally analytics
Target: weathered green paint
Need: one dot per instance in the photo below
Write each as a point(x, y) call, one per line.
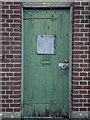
point(46, 86)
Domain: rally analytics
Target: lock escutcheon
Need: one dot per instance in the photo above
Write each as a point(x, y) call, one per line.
point(63, 65)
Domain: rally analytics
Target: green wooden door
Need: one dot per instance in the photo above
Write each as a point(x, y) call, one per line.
point(46, 44)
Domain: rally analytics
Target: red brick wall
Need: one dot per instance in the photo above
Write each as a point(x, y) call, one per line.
point(80, 50)
point(11, 59)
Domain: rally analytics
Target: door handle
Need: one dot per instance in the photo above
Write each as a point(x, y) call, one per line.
point(63, 66)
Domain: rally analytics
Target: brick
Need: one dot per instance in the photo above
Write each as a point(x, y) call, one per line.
point(15, 16)
point(14, 105)
point(17, 56)
point(9, 3)
point(83, 74)
point(5, 25)
point(84, 21)
point(9, 83)
point(5, 42)
point(15, 25)
point(15, 69)
point(5, 16)
point(84, 3)
point(15, 43)
point(83, 91)
point(17, 101)
point(86, 70)
point(76, 3)
point(16, 78)
point(17, 38)
point(9, 109)
point(87, 105)
point(15, 34)
point(77, 87)
point(83, 39)
point(77, 43)
point(9, 65)
point(5, 96)
point(9, 56)
point(75, 91)
point(82, 109)
point(2, 92)
point(9, 101)
point(9, 20)
point(87, 16)
point(18, 11)
point(76, 21)
point(5, 69)
point(77, 52)
point(86, 60)
point(17, 92)
point(5, 105)
point(82, 100)
point(76, 12)
point(17, 47)
point(9, 74)
point(78, 7)
point(78, 34)
point(86, 87)
point(9, 47)
point(17, 3)
point(78, 61)
point(83, 56)
point(75, 65)
point(76, 56)
point(5, 34)
point(14, 96)
point(8, 38)
point(75, 30)
point(75, 74)
point(86, 78)
point(87, 25)
point(78, 25)
point(16, 60)
point(9, 11)
point(75, 100)
point(5, 87)
point(18, 21)
point(5, 7)
point(85, 12)
point(17, 83)
point(87, 34)
point(16, 109)
point(5, 79)
point(86, 96)
point(14, 87)
point(84, 30)
point(77, 96)
point(15, 7)
point(3, 109)
point(75, 47)
point(78, 16)
point(9, 92)
point(77, 105)
point(83, 65)
point(15, 52)
point(87, 8)
point(75, 109)
point(17, 30)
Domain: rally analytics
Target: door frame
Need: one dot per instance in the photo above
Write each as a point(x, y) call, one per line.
point(54, 5)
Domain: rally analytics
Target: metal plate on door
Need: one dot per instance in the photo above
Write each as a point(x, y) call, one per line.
point(46, 44)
